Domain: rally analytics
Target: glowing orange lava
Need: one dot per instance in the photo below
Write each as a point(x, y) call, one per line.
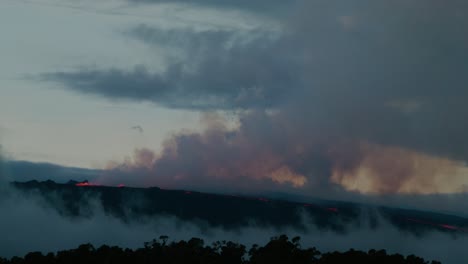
point(85, 184)
point(451, 227)
point(445, 226)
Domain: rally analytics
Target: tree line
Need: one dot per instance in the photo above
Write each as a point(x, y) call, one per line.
point(279, 249)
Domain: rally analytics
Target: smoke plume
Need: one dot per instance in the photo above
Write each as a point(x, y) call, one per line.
point(362, 99)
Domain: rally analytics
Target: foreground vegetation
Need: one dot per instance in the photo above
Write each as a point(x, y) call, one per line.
point(194, 251)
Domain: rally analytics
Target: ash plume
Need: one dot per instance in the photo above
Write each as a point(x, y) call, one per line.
point(260, 154)
point(353, 99)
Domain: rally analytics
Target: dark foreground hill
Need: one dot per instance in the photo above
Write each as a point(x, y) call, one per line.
point(231, 212)
point(278, 250)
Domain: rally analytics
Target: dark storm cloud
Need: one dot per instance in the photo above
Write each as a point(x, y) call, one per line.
point(219, 72)
point(374, 84)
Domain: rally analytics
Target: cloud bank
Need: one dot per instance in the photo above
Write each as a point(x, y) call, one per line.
point(29, 226)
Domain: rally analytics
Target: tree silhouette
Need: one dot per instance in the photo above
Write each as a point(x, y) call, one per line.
point(281, 250)
point(194, 251)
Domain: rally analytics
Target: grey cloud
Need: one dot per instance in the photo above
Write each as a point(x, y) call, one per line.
point(219, 72)
point(371, 57)
point(388, 73)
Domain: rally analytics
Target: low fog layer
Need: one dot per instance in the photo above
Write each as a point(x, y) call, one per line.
point(28, 225)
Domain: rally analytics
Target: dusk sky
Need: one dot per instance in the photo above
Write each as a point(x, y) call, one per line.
point(327, 98)
point(344, 122)
point(42, 122)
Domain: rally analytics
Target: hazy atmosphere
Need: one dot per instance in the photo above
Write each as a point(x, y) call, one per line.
point(360, 101)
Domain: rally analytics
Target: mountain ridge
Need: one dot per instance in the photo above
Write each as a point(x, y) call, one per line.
point(232, 211)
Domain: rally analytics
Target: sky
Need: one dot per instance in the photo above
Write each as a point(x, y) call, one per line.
point(40, 121)
point(330, 99)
